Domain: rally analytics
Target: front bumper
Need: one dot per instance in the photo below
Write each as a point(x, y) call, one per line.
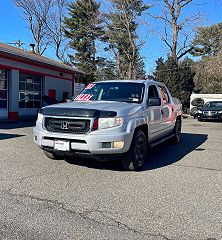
point(91, 143)
point(217, 116)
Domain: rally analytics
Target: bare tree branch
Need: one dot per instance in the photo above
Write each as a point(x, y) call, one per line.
point(173, 25)
point(36, 13)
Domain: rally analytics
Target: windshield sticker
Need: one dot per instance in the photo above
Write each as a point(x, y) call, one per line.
point(83, 97)
point(90, 86)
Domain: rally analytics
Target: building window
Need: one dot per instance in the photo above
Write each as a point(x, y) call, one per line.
point(3, 88)
point(30, 90)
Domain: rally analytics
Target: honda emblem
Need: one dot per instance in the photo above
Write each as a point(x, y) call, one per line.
point(65, 125)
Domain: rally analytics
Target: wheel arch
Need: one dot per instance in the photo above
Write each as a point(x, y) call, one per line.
point(144, 128)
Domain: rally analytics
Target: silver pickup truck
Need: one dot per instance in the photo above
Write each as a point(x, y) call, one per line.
point(117, 119)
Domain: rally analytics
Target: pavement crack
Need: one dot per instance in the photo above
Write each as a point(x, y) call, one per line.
point(85, 214)
point(196, 167)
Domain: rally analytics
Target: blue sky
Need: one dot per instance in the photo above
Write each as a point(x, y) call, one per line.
point(13, 26)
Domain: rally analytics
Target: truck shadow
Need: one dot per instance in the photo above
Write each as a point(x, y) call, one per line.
point(4, 136)
point(160, 156)
point(16, 124)
point(167, 154)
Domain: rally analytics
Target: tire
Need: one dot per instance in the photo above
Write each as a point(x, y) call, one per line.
point(135, 158)
point(53, 155)
point(177, 131)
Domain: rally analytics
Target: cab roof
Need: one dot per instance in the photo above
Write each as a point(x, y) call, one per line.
point(149, 81)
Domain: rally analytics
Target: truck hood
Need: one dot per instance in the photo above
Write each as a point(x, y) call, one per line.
point(89, 108)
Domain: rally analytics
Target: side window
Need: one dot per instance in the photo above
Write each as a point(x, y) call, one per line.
point(152, 93)
point(164, 95)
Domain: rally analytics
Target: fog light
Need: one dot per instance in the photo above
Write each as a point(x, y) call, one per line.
point(106, 145)
point(118, 144)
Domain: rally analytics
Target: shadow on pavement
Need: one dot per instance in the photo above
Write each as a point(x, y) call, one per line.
point(160, 156)
point(166, 154)
point(4, 136)
point(17, 124)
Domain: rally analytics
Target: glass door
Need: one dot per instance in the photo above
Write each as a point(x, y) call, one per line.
point(3, 93)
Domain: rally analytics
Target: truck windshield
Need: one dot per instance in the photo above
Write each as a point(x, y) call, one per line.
point(113, 91)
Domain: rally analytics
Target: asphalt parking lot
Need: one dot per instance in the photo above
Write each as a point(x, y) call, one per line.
point(178, 195)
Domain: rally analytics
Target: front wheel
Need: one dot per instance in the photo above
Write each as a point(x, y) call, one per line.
point(135, 158)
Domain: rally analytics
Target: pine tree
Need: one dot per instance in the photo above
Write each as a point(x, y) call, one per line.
point(140, 72)
point(83, 28)
point(187, 74)
point(122, 37)
point(208, 40)
point(160, 70)
point(179, 78)
point(168, 73)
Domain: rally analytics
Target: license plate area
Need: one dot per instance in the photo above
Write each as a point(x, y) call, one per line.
point(62, 145)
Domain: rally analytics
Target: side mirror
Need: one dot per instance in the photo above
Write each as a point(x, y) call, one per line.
point(155, 101)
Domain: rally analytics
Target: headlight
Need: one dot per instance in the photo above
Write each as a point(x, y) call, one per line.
point(110, 122)
point(40, 118)
point(198, 111)
point(220, 112)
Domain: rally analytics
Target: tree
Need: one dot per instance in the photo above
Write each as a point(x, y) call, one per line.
point(168, 73)
point(160, 69)
point(187, 73)
point(83, 29)
point(179, 78)
point(36, 12)
point(55, 29)
point(208, 45)
point(122, 24)
point(208, 74)
point(174, 35)
point(106, 70)
point(208, 40)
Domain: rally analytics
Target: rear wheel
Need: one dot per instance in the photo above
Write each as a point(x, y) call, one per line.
point(135, 158)
point(177, 131)
point(53, 155)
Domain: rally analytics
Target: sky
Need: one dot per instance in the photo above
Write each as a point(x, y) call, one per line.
point(13, 26)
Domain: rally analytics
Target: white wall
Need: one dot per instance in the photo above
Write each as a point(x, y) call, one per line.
point(60, 85)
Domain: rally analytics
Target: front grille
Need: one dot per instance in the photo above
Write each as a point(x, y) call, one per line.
point(67, 125)
point(209, 113)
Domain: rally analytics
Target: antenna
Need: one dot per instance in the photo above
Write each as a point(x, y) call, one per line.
point(18, 43)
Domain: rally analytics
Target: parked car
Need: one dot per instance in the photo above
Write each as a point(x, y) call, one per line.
point(111, 120)
point(210, 111)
